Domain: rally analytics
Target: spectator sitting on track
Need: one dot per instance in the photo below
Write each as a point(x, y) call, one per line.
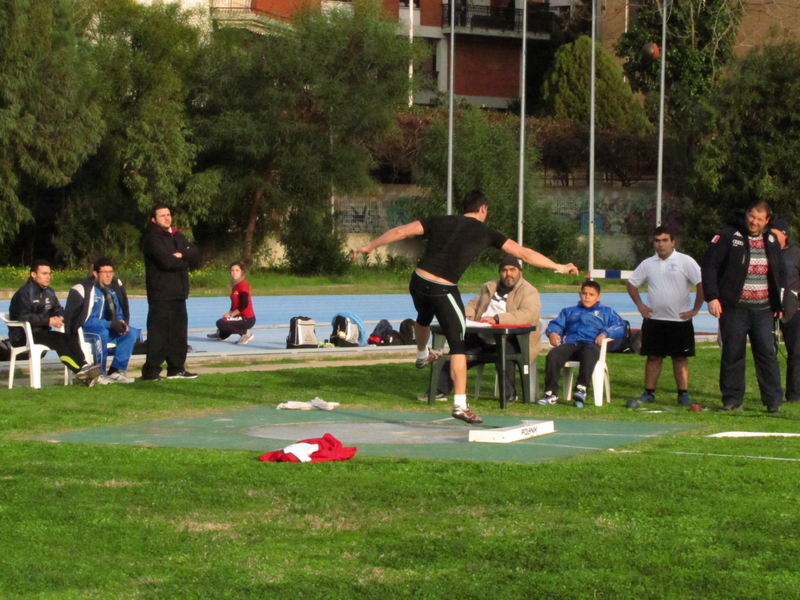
point(576, 334)
point(241, 318)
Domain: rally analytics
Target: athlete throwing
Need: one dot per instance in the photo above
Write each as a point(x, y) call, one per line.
point(453, 243)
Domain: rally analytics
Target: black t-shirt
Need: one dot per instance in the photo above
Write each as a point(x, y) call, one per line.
point(453, 243)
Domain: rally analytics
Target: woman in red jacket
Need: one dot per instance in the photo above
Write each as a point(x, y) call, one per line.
point(241, 318)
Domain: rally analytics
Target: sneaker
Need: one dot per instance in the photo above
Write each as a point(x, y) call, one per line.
point(104, 380)
point(774, 408)
point(579, 395)
point(245, 338)
point(646, 397)
point(121, 377)
point(214, 336)
point(727, 408)
point(511, 398)
point(466, 415)
point(439, 397)
point(88, 373)
point(549, 398)
point(684, 400)
point(578, 404)
point(183, 375)
point(433, 355)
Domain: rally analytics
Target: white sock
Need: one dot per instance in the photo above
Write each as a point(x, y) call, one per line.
point(460, 400)
point(422, 353)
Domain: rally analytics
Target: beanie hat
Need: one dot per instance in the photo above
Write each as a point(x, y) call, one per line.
point(510, 261)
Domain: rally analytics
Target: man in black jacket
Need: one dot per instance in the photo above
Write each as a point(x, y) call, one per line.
point(742, 271)
point(790, 323)
point(167, 257)
point(36, 303)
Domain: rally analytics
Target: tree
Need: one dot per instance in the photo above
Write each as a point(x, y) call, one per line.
point(49, 118)
point(700, 37)
point(750, 147)
point(145, 59)
point(288, 118)
point(566, 92)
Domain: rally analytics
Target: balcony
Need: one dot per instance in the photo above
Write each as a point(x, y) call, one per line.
point(499, 20)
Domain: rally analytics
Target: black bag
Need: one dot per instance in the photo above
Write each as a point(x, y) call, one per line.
point(407, 332)
point(623, 344)
point(376, 337)
point(345, 332)
point(5, 350)
point(302, 333)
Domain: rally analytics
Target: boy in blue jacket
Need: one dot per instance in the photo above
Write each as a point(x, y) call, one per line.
point(576, 334)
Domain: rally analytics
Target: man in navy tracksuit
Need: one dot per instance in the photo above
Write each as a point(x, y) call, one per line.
point(742, 271)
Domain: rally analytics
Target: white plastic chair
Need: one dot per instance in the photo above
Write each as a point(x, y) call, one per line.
point(87, 347)
point(34, 351)
point(601, 383)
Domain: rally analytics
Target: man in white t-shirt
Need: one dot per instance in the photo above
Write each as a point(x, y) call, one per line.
point(667, 328)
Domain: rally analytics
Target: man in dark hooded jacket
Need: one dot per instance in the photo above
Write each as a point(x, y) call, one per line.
point(167, 258)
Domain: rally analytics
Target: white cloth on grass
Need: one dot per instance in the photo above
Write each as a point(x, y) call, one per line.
point(316, 404)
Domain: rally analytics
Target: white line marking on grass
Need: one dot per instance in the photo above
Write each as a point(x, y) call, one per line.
point(752, 434)
point(738, 456)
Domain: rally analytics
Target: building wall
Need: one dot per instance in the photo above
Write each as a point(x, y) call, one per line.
point(487, 67)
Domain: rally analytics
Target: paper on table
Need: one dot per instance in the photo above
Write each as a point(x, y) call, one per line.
point(477, 324)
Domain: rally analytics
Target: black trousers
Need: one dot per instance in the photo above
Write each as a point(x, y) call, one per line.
point(791, 337)
point(474, 343)
point(167, 323)
point(588, 353)
point(66, 345)
point(238, 325)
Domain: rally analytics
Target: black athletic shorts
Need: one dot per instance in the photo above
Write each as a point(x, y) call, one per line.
point(667, 338)
point(443, 301)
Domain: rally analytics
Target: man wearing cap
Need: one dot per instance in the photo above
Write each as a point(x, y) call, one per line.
point(509, 300)
point(790, 323)
point(667, 328)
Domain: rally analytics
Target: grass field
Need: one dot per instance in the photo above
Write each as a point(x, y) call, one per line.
point(681, 516)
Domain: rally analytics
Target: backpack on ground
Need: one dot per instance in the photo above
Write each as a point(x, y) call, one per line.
point(345, 332)
point(623, 344)
point(407, 332)
point(302, 333)
point(382, 328)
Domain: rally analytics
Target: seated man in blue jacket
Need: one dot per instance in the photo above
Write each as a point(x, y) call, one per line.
point(99, 304)
point(576, 334)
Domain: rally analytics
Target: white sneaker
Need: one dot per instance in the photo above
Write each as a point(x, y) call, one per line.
point(104, 380)
point(245, 338)
point(121, 377)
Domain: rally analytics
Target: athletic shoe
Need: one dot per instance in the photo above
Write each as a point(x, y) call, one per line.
point(727, 408)
point(684, 400)
point(121, 377)
point(183, 375)
point(214, 336)
point(577, 404)
point(579, 395)
point(439, 397)
point(646, 397)
point(464, 414)
point(511, 398)
point(88, 373)
point(245, 338)
point(104, 380)
point(433, 355)
point(549, 398)
point(156, 378)
point(774, 409)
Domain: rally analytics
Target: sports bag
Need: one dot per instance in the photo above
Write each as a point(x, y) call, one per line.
point(302, 333)
point(407, 332)
point(345, 332)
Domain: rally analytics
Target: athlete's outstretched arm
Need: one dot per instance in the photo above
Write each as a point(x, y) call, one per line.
point(393, 235)
point(537, 259)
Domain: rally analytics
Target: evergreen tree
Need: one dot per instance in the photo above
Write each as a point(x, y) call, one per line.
point(566, 92)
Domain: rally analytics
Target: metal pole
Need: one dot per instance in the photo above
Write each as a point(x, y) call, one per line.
point(411, 62)
point(591, 134)
point(660, 177)
point(522, 80)
point(451, 85)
